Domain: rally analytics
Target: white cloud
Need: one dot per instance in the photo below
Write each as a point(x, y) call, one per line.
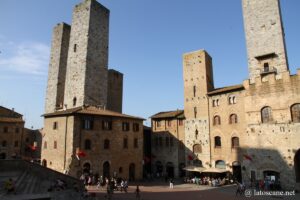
point(29, 57)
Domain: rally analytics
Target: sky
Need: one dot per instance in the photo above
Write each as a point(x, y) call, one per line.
point(146, 42)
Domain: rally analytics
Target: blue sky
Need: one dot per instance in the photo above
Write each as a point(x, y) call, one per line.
point(147, 40)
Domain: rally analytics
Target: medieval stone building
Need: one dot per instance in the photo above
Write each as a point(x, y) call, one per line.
point(251, 129)
point(84, 128)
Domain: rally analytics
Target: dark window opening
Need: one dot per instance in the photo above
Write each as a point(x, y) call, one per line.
point(87, 145)
point(106, 125)
point(74, 101)
point(217, 142)
point(88, 124)
point(75, 47)
point(266, 67)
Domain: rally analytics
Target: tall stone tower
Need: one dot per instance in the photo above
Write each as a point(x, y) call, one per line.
point(198, 81)
point(86, 81)
point(265, 38)
point(57, 67)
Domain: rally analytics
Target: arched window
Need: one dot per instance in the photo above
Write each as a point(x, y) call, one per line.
point(266, 114)
point(87, 144)
point(295, 112)
point(218, 142)
point(217, 120)
point(106, 144)
point(197, 148)
point(196, 133)
point(235, 142)
point(220, 164)
point(197, 163)
point(233, 119)
point(231, 99)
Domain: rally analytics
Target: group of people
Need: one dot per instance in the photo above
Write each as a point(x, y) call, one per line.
point(267, 184)
point(214, 182)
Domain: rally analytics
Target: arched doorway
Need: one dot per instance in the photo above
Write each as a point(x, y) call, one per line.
point(159, 168)
point(297, 165)
point(220, 164)
point(237, 171)
point(86, 168)
point(44, 163)
point(271, 175)
point(132, 172)
point(106, 170)
point(170, 170)
point(2, 156)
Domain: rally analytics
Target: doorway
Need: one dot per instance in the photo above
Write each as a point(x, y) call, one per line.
point(106, 170)
point(237, 171)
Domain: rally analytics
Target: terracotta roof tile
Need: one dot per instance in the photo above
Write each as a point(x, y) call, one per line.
point(226, 89)
point(168, 114)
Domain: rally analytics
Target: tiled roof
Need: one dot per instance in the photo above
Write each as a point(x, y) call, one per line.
point(169, 114)
point(5, 112)
point(90, 110)
point(226, 89)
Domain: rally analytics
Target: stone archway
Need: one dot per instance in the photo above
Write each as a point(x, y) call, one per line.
point(44, 163)
point(297, 166)
point(132, 172)
point(106, 170)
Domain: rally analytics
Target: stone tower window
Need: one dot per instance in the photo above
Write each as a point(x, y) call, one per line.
point(266, 67)
point(74, 101)
point(194, 90)
point(195, 112)
point(295, 111)
point(45, 145)
point(217, 120)
point(87, 144)
point(106, 144)
point(55, 125)
point(266, 114)
point(196, 133)
point(233, 119)
point(235, 142)
point(55, 145)
point(75, 47)
point(217, 142)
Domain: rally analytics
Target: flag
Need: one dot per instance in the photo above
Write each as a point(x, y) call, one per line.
point(81, 153)
point(247, 157)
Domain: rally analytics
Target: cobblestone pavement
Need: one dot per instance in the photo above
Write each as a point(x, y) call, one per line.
point(161, 191)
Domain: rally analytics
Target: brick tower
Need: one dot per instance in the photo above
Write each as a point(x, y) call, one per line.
point(198, 81)
point(265, 38)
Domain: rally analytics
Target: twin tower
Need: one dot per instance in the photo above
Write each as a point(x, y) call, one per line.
point(78, 70)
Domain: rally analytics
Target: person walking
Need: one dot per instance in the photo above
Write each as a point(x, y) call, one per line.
point(171, 183)
point(137, 193)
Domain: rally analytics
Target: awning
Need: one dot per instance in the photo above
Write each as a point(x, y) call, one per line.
point(215, 170)
point(194, 169)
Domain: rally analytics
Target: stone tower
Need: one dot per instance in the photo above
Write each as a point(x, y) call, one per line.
point(198, 81)
point(57, 67)
point(114, 90)
point(86, 81)
point(265, 38)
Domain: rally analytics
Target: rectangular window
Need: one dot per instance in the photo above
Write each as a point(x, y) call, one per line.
point(135, 143)
point(125, 126)
point(194, 90)
point(195, 112)
point(88, 124)
point(136, 127)
point(75, 47)
point(55, 145)
point(54, 125)
point(180, 122)
point(125, 143)
point(169, 122)
point(106, 125)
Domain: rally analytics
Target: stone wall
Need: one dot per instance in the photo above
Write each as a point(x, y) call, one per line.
point(57, 68)
point(115, 90)
point(264, 36)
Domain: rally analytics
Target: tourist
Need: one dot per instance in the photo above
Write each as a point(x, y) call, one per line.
point(171, 183)
point(137, 192)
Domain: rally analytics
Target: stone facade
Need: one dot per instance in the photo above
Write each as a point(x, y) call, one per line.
point(167, 142)
point(78, 71)
point(86, 129)
point(265, 37)
point(115, 90)
point(250, 130)
point(11, 134)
